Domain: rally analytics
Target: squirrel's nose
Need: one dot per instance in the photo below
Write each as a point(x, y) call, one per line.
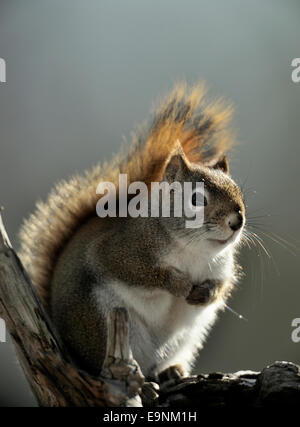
point(235, 221)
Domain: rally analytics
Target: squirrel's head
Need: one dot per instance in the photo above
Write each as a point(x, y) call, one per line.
point(220, 199)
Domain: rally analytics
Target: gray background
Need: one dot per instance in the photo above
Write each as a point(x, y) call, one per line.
point(82, 74)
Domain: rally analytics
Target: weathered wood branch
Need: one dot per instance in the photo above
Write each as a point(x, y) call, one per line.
point(53, 378)
point(56, 381)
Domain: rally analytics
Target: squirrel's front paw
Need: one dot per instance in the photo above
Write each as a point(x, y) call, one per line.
point(203, 293)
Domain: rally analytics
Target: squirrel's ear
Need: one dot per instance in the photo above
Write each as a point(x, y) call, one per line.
point(176, 164)
point(221, 164)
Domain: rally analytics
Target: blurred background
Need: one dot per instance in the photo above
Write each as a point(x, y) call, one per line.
point(81, 75)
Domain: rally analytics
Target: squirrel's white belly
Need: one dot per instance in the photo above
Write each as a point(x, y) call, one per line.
point(164, 329)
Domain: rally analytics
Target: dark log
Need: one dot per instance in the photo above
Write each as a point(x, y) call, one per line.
point(278, 385)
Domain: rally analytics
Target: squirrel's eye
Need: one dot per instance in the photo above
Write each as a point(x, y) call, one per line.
point(198, 199)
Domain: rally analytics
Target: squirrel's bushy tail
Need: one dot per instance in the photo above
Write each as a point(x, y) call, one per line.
point(202, 130)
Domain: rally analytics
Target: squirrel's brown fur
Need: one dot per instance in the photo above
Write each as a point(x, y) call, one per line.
point(202, 130)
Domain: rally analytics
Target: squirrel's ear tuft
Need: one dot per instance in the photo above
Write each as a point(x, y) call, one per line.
point(176, 164)
point(221, 164)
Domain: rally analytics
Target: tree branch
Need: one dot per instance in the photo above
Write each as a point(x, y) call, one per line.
point(53, 378)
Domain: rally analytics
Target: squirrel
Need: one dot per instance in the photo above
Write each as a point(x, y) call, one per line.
point(172, 280)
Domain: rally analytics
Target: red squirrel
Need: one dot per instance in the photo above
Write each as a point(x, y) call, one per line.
point(172, 280)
